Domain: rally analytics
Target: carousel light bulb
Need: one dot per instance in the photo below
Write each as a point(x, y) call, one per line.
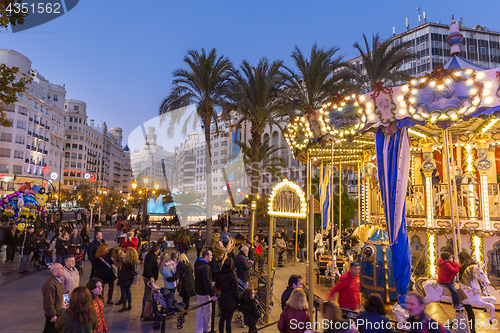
point(480, 75)
point(432, 83)
point(488, 85)
point(405, 88)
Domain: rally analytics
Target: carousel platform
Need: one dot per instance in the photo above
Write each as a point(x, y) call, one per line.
point(440, 311)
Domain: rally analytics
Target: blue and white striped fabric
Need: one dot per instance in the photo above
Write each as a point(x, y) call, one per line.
point(325, 196)
point(393, 163)
point(457, 63)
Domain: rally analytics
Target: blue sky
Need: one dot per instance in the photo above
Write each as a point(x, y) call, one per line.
point(118, 56)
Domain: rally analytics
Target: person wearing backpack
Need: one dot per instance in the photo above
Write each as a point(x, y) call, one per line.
point(419, 321)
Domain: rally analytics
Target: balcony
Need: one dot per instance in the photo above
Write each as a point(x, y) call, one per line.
point(33, 148)
point(29, 132)
point(37, 122)
point(28, 146)
point(42, 125)
point(39, 150)
point(27, 160)
point(44, 164)
point(30, 118)
point(45, 152)
point(35, 135)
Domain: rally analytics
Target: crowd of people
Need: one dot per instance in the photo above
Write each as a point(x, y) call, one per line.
point(221, 272)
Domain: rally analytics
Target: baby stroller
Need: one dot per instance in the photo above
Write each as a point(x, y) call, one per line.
point(46, 258)
point(165, 306)
point(145, 247)
point(260, 296)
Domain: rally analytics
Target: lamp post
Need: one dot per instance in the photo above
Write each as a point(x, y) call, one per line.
point(146, 190)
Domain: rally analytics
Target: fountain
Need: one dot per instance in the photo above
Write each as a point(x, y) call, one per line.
point(157, 206)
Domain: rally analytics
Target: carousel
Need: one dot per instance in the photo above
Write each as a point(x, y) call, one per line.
point(427, 159)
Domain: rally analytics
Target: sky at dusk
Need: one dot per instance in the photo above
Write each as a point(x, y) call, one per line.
point(118, 55)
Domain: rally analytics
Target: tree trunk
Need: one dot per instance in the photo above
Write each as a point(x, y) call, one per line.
point(208, 175)
point(256, 132)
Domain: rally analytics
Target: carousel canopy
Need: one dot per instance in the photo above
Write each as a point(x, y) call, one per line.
point(460, 94)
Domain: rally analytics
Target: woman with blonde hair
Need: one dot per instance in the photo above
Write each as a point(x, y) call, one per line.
point(80, 315)
point(167, 267)
point(296, 310)
point(104, 270)
point(336, 323)
point(126, 274)
point(184, 275)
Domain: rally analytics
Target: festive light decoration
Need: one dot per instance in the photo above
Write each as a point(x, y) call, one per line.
point(428, 193)
point(443, 83)
point(485, 200)
point(338, 106)
point(285, 206)
point(477, 248)
point(412, 131)
point(432, 251)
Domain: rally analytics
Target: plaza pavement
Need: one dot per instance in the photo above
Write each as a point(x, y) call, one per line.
point(21, 299)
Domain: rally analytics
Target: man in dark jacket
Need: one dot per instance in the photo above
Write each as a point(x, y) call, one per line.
point(53, 291)
point(75, 241)
point(243, 265)
point(294, 282)
point(204, 292)
point(93, 249)
point(146, 233)
point(27, 244)
point(150, 274)
point(302, 245)
point(10, 239)
point(199, 241)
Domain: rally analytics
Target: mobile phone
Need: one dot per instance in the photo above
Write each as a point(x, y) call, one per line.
point(66, 299)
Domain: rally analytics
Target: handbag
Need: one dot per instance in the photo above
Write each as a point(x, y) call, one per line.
point(179, 284)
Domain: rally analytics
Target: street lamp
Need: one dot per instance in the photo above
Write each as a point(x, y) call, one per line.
point(134, 185)
point(156, 186)
point(145, 180)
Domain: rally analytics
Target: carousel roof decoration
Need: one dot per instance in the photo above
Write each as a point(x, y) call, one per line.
point(460, 94)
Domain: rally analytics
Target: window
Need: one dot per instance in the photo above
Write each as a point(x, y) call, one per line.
point(79, 165)
point(472, 49)
point(66, 164)
point(79, 156)
point(65, 181)
point(68, 145)
point(70, 119)
point(17, 169)
point(74, 146)
point(81, 138)
point(73, 155)
point(80, 147)
point(223, 152)
point(78, 174)
point(20, 139)
point(71, 182)
point(80, 121)
point(55, 98)
point(6, 137)
point(18, 154)
point(66, 155)
point(4, 152)
point(75, 137)
point(72, 173)
point(73, 164)
point(68, 137)
point(75, 107)
point(21, 124)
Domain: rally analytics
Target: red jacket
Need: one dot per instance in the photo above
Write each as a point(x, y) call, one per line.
point(294, 318)
point(447, 271)
point(348, 289)
point(131, 242)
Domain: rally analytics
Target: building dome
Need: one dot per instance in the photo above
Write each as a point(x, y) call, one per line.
point(126, 148)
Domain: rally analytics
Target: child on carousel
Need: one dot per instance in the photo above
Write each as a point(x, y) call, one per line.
point(447, 270)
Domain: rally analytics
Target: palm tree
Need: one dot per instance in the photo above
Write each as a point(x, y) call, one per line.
point(382, 62)
point(268, 159)
point(256, 94)
point(317, 79)
point(203, 84)
point(186, 204)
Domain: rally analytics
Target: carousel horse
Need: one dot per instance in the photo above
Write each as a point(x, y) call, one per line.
point(332, 270)
point(320, 246)
point(474, 284)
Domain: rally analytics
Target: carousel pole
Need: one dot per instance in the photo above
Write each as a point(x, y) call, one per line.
point(332, 233)
point(310, 255)
point(359, 196)
point(452, 211)
point(455, 194)
point(269, 268)
point(340, 195)
point(321, 175)
point(296, 241)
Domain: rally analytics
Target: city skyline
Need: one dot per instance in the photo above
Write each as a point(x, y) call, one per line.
point(137, 66)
